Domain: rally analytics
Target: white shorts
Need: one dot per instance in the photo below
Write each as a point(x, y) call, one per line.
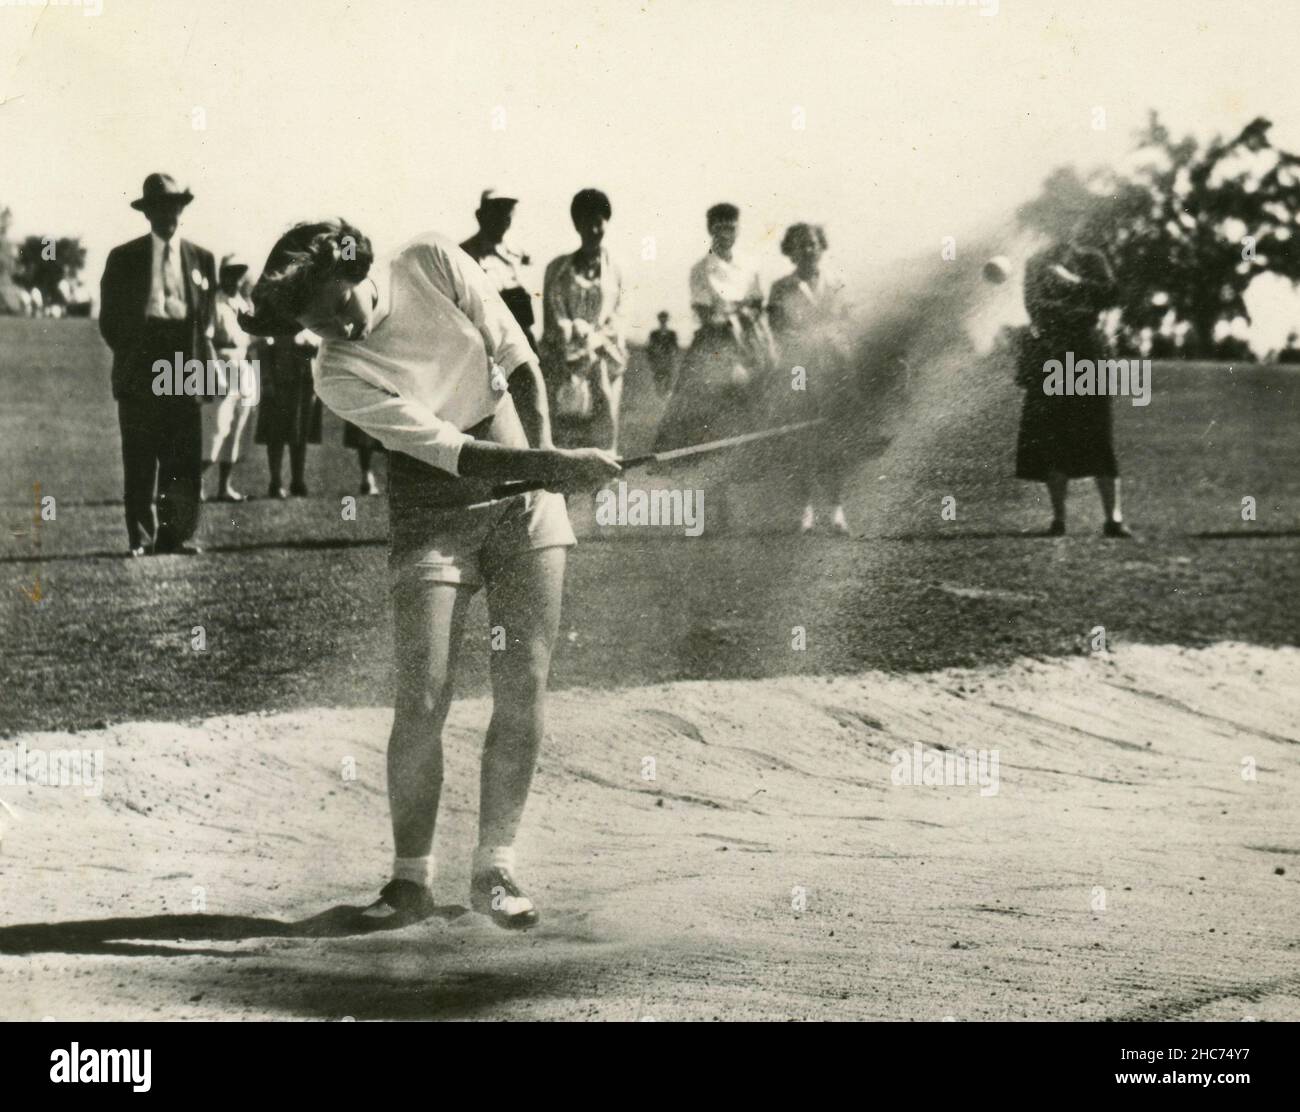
point(469, 547)
point(434, 538)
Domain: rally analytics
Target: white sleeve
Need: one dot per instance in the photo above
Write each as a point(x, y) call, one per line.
point(463, 280)
point(612, 328)
point(702, 291)
point(398, 423)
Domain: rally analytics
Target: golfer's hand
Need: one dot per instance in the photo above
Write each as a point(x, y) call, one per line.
point(575, 470)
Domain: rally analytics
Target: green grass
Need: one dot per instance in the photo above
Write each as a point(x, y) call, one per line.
point(293, 598)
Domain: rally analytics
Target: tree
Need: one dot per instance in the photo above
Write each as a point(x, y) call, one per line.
point(1187, 230)
point(10, 301)
point(44, 261)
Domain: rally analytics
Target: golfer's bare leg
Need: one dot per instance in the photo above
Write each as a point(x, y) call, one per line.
point(429, 619)
point(524, 599)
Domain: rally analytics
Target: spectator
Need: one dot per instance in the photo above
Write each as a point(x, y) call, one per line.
point(157, 300)
point(662, 351)
point(289, 415)
point(731, 349)
point(808, 313)
point(1064, 437)
point(583, 351)
point(496, 212)
point(224, 420)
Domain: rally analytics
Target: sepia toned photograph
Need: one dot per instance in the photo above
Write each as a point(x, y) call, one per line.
point(722, 511)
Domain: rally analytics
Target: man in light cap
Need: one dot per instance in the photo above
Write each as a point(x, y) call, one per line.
point(496, 211)
point(157, 304)
point(225, 418)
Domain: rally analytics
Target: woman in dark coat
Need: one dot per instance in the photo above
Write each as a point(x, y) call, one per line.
point(290, 413)
point(1064, 437)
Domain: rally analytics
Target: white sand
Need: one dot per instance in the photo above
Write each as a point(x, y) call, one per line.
point(1120, 778)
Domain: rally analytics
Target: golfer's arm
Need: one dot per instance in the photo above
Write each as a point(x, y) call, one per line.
point(485, 459)
point(404, 425)
point(503, 338)
point(528, 389)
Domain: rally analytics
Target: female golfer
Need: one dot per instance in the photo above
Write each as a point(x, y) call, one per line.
point(418, 352)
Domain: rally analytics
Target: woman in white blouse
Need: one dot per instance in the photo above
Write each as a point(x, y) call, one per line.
point(732, 348)
point(418, 352)
point(583, 350)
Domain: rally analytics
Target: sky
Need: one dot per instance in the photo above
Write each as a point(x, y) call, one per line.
point(893, 125)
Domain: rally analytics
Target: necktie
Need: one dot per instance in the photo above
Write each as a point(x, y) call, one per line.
point(173, 298)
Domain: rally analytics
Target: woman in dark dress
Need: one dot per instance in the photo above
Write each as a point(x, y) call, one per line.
point(1064, 437)
point(365, 446)
point(290, 413)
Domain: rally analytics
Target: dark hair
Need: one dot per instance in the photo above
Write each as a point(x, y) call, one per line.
point(590, 202)
point(721, 212)
point(302, 260)
point(795, 232)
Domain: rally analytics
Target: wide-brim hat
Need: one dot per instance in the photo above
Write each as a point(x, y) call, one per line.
point(161, 189)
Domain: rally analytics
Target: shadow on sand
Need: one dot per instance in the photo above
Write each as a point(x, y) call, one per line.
point(421, 978)
point(123, 936)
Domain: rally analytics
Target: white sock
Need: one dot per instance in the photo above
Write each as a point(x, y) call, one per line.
point(418, 870)
point(493, 857)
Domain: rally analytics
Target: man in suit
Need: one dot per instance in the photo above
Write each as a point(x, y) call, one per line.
point(157, 302)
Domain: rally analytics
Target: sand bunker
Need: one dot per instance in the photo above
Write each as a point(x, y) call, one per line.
point(805, 849)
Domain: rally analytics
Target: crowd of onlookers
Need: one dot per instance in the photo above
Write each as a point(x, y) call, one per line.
point(69, 299)
point(758, 357)
point(162, 296)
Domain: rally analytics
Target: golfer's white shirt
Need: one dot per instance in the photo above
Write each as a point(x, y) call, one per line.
point(436, 364)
